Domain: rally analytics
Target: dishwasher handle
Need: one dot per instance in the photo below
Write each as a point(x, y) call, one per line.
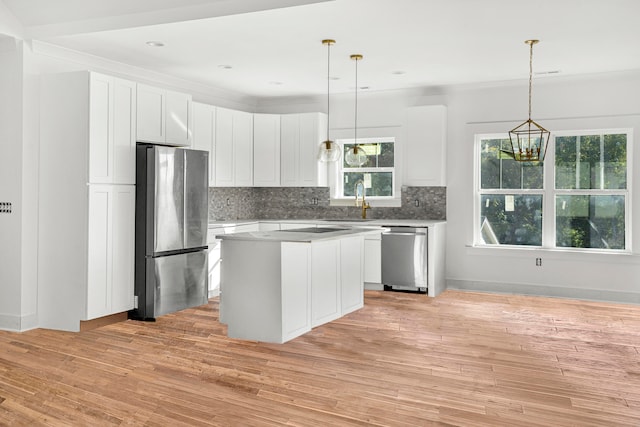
point(405, 231)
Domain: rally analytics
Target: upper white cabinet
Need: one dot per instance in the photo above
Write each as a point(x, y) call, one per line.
point(301, 135)
point(163, 116)
point(204, 134)
point(233, 148)
point(266, 150)
point(425, 146)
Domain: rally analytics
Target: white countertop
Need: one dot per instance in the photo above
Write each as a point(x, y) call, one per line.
point(336, 222)
point(299, 235)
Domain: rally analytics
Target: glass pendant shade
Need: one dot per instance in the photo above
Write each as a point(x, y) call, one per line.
point(355, 156)
point(528, 140)
point(329, 151)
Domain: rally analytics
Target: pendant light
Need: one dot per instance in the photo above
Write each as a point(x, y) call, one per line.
point(329, 150)
point(356, 156)
point(528, 140)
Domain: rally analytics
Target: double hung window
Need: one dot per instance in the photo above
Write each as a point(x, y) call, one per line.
point(377, 173)
point(577, 198)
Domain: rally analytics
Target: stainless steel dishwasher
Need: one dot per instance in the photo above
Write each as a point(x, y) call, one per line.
point(404, 259)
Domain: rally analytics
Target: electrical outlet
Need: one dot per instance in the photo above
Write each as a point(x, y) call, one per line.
point(539, 262)
point(416, 203)
point(5, 207)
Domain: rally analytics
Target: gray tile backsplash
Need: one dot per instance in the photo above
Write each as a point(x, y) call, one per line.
point(230, 203)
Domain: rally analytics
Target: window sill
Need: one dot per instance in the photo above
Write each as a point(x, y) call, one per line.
point(374, 203)
point(567, 254)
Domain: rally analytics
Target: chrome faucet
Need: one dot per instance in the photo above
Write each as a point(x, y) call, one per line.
point(365, 205)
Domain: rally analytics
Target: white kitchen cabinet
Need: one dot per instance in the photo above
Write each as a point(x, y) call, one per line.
point(325, 281)
point(86, 198)
point(112, 124)
point(300, 138)
point(351, 274)
point(111, 231)
point(425, 146)
point(203, 135)
point(234, 148)
point(214, 260)
point(163, 116)
point(266, 150)
point(373, 258)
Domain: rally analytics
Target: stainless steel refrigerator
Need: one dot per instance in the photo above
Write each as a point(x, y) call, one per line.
point(172, 202)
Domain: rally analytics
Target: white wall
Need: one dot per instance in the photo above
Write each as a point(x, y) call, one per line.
point(11, 182)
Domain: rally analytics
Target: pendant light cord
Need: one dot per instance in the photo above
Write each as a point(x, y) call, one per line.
point(355, 122)
point(328, 84)
point(531, 43)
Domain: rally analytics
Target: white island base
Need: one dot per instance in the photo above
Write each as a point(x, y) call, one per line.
point(278, 285)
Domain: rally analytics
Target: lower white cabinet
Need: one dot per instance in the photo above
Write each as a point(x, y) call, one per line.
point(373, 258)
point(214, 260)
point(325, 281)
point(351, 274)
point(110, 257)
point(85, 255)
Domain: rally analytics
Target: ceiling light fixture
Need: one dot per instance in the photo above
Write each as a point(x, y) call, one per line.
point(154, 43)
point(329, 150)
point(356, 156)
point(528, 140)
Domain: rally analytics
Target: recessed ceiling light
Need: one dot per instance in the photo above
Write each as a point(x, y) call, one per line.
point(363, 87)
point(398, 72)
point(225, 66)
point(276, 83)
point(154, 43)
point(334, 78)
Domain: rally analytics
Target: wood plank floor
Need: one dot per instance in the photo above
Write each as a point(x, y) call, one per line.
point(461, 359)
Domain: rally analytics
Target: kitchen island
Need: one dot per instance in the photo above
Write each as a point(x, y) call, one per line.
point(277, 285)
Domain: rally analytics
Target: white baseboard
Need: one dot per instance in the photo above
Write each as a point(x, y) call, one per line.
point(18, 323)
point(545, 291)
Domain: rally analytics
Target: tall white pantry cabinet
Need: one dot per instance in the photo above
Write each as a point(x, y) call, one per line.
point(87, 198)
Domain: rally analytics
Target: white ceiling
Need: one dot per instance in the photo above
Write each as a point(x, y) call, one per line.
point(275, 50)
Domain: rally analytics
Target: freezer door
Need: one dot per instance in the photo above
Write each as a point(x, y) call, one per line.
point(180, 281)
point(196, 198)
point(168, 209)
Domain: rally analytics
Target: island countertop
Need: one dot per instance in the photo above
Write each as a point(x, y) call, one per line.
point(300, 234)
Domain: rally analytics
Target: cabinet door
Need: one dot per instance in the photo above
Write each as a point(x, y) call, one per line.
point(296, 289)
point(100, 129)
point(325, 281)
point(310, 171)
point(178, 119)
point(351, 272)
point(150, 114)
point(266, 150)
point(124, 132)
point(123, 234)
point(425, 148)
point(243, 149)
point(289, 148)
point(203, 135)
point(372, 260)
point(99, 248)
point(224, 147)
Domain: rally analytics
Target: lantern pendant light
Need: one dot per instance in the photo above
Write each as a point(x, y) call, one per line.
point(329, 151)
point(356, 156)
point(528, 140)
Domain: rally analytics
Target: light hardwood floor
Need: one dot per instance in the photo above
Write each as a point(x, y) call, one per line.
point(464, 359)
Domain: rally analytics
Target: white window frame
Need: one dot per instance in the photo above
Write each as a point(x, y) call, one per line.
point(549, 192)
point(339, 178)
